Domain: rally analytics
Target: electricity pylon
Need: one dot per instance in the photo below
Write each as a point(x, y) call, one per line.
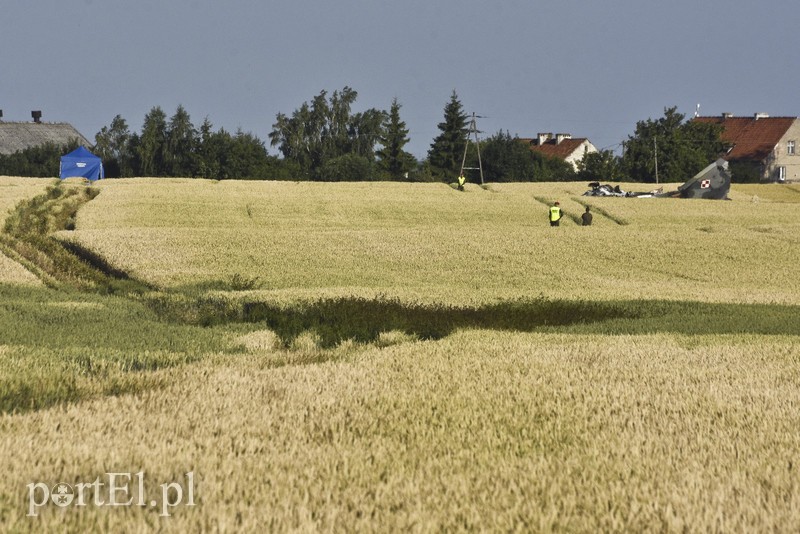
point(473, 129)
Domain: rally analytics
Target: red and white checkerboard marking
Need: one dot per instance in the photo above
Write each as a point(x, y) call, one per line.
point(705, 184)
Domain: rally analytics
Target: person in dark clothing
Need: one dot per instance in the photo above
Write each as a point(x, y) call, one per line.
point(587, 217)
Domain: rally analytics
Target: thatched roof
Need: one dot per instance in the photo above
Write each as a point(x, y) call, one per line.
point(16, 136)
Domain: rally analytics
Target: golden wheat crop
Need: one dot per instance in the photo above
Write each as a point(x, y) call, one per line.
point(480, 431)
point(486, 430)
point(15, 189)
point(418, 241)
point(769, 192)
point(12, 191)
point(12, 272)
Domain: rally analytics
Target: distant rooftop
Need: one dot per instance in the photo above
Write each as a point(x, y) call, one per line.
point(16, 136)
point(754, 137)
point(554, 146)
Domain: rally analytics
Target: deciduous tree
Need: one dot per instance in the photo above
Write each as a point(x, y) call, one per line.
point(601, 166)
point(113, 145)
point(326, 129)
point(682, 148)
point(506, 159)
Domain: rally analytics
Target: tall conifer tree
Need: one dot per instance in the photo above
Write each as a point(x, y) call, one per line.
point(181, 145)
point(151, 144)
point(447, 149)
point(393, 160)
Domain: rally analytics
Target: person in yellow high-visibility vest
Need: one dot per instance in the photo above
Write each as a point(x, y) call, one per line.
point(555, 214)
point(461, 180)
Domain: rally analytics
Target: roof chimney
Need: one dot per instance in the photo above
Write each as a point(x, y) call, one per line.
point(761, 116)
point(542, 138)
point(727, 115)
point(560, 137)
point(37, 116)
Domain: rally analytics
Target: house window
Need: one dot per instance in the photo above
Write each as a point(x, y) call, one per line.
point(790, 148)
point(781, 174)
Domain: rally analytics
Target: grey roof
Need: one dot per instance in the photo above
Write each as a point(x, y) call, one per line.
point(16, 136)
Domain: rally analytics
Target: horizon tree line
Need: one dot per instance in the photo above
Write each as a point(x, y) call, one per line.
point(326, 140)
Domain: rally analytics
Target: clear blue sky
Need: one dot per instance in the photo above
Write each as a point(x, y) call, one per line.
point(591, 68)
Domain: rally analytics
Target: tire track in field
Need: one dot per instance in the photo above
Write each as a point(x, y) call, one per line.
point(577, 218)
point(602, 211)
point(549, 202)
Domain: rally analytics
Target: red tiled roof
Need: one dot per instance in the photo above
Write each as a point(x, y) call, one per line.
point(752, 139)
point(561, 150)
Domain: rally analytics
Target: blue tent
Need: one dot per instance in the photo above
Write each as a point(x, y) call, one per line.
point(81, 163)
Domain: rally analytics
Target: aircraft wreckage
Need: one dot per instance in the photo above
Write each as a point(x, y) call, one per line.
point(713, 182)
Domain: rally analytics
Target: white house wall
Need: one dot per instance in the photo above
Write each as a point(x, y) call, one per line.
point(782, 158)
point(577, 155)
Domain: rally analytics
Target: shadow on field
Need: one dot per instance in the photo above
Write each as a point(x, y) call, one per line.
point(364, 320)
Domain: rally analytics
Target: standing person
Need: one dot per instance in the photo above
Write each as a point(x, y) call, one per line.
point(555, 214)
point(461, 180)
point(586, 217)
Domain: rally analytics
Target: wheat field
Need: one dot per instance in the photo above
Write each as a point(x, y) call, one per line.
point(15, 189)
point(668, 403)
point(428, 241)
point(12, 191)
